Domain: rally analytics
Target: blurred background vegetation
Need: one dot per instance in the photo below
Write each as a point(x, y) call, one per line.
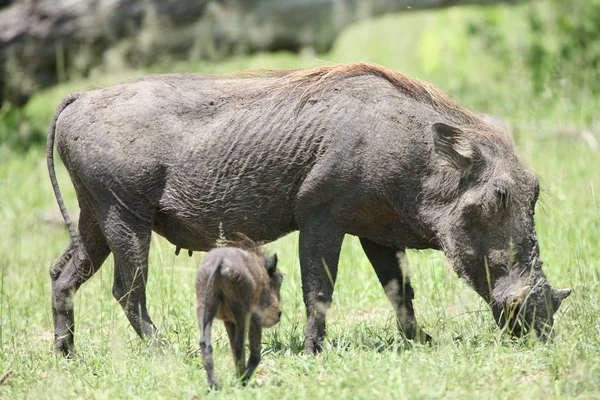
point(536, 62)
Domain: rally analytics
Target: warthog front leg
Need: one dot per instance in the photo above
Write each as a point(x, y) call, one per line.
point(319, 255)
point(386, 263)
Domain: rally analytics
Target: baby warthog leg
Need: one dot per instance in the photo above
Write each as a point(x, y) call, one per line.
point(237, 340)
point(206, 346)
point(254, 334)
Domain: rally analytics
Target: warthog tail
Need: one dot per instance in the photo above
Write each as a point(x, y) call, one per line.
point(50, 160)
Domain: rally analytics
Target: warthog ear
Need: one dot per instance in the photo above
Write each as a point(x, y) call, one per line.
point(563, 293)
point(452, 144)
point(271, 264)
point(560, 294)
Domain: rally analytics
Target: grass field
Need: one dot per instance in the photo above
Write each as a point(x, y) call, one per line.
point(364, 355)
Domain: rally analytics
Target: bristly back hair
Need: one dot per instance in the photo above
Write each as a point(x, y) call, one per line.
point(311, 81)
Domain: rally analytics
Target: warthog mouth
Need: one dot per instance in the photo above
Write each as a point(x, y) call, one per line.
point(518, 322)
point(520, 327)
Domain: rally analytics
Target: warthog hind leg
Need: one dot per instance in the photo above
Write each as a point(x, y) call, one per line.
point(72, 268)
point(129, 239)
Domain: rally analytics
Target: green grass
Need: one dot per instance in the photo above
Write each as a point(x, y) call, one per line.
point(364, 356)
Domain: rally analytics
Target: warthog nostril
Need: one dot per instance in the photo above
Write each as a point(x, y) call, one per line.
point(279, 315)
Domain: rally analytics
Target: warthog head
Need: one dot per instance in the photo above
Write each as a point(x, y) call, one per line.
point(482, 201)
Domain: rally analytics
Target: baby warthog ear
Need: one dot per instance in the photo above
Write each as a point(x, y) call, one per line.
point(452, 144)
point(271, 264)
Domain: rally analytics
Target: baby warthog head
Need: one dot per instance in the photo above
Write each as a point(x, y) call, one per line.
point(240, 286)
point(483, 201)
point(270, 299)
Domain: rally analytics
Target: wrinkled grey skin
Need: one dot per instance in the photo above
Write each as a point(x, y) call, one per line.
point(184, 155)
point(242, 289)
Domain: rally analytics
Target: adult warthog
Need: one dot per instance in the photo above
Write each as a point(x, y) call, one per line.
point(357, 149)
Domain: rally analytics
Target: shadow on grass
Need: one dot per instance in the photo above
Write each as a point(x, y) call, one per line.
point(290, 340)
point(360, 337)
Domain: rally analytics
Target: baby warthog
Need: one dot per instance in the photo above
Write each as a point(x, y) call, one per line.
point(240, 287)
